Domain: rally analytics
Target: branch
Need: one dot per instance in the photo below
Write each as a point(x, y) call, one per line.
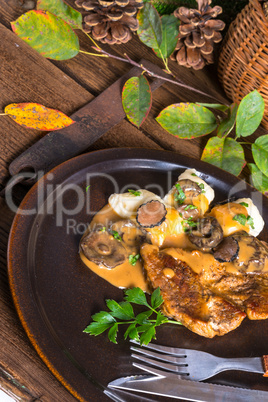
point(127, 59)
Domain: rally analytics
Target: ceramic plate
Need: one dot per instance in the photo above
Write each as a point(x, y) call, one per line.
point(55, 293)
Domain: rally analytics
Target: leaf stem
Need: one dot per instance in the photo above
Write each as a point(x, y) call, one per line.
point(127, 59)
point(93, 54)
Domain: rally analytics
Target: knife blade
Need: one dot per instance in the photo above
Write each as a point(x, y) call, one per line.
point(195, 391)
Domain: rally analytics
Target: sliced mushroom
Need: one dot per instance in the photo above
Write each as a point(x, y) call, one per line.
point(227, 250)
point(102, 248)
point(190, 188)
point(188, 211)
point(130, 233)
point(151, 213)
point(208, 233)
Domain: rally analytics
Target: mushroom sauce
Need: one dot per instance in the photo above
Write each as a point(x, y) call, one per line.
point(111, 245)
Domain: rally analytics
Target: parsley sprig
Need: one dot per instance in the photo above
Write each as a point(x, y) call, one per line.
point(141, 327)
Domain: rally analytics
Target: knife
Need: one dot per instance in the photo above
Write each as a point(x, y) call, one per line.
point(195, 391)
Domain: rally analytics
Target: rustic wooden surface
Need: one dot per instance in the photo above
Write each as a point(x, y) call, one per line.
point(67, 86)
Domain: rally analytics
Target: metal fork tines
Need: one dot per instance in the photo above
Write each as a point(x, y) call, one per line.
point(193, 364)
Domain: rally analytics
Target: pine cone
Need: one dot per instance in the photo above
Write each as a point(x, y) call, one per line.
point(110, 21)
point(198, 34)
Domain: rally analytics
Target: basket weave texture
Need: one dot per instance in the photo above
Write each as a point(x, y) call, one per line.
point(243, 61)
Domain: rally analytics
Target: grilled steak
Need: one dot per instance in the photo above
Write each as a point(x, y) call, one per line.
point(185, 299)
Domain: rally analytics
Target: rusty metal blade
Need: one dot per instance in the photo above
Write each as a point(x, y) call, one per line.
point(92, 121)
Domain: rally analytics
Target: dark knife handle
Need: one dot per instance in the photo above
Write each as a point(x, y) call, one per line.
point(92, 121)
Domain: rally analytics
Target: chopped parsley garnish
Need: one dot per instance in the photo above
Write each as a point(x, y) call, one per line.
point(140, 327)
point(190, 206)
point(243, 220)
point(189, 223)
point(202, 186)
point(250, 222)
point(134, 192)
point(102, 229)
point(116, 235)
point(179, 195)
point(133, 259)
point(87, 187)
point(244, 204)
point(193, 174)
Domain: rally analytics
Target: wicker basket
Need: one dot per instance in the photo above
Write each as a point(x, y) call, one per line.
point(243, 61)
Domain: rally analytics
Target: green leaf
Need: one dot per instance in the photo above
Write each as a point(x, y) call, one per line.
point(216, 106)
point(123, 310)
point(160, 319)
point(225, 153)
point(156, 299)
point(150, 29)
point(147, 336)
point(132, 259)
point(62, 10)
point(170, 31)
point(187, 120)
point(227, 124)
point(136, 295)
point(103, 317)
point(96, 328)
point(249, 114)
point(260, 153)
point(144, 327)
point(48, 34)
point(112, 334)
point(259, 180)
point(142, 317)
point(137, 99)
point(132, 332)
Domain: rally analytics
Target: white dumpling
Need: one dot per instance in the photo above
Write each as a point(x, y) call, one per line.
point(126, 204)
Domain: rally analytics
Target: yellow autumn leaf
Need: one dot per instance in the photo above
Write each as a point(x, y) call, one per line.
point(34, 115)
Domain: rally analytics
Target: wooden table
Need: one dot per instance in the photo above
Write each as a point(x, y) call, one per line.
point(68, 85)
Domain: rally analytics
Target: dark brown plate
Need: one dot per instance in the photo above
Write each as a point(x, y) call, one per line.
point(55, 294)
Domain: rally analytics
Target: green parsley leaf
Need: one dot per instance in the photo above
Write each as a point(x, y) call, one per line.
point(132, 332)
point(103, 316)
point(250, 222)
point(156, 299)
point(96, 328)
point(123, 310)
point(134, 192)
point(87, 187)
point(137, 296)
point(147, 336)
point(133, 259)
point(244, 204)
point(193, 174)
point(240, 218)
point(202, 186)
point(179, 195)
point(112, 334)
point(190, 206)
point(160, 319)
point(116, 235)
point(142, 318)
point(102, 229)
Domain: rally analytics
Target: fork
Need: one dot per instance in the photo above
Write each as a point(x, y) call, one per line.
point(194, 364)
